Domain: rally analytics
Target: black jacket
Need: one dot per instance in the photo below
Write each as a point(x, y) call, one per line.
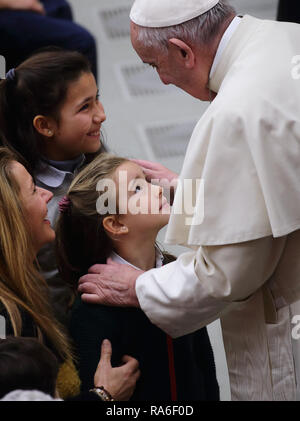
point(181, 369)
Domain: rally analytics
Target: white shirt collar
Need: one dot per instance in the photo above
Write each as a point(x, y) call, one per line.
point(224, 41)
point(51, 176)
point(118, 259)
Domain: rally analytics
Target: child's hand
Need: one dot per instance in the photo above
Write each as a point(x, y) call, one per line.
point(34, 5)
point(111, 284)
point(118, 381)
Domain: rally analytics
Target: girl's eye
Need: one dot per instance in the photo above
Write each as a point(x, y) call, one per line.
point(84, 107)
point(137, 188)
point(34, 189)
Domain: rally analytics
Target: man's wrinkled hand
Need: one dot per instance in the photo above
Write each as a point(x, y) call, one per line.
point(156, 171)
point(111, 284)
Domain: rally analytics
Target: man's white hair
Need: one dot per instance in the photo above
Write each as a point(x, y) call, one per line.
point(198, 31)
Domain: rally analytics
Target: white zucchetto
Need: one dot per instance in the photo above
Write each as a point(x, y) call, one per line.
point(162, 13)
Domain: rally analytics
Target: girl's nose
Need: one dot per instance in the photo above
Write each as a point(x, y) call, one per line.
point(99, 115)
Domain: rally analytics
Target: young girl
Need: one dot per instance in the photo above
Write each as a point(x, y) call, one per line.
point(51, 116)
point(112, 211)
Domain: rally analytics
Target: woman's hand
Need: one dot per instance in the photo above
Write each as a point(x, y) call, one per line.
point(120, 382)
point(33, 5)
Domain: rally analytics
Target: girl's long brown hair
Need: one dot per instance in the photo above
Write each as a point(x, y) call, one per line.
point(22, 288)
point(80, 237)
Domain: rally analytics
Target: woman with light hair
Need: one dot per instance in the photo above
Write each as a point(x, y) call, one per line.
point(24, 303)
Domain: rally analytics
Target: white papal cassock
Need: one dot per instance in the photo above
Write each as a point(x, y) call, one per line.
point(244, 263)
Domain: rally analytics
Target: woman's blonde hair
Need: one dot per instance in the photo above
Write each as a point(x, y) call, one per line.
point(22, 288)
point(80, 237)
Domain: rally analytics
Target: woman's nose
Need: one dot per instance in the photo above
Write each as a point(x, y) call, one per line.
point(46, 194)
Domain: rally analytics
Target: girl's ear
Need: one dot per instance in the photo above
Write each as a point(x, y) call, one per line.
point(44, 125)
point(113, 226)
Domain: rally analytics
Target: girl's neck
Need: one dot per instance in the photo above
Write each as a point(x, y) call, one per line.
point(141, 254)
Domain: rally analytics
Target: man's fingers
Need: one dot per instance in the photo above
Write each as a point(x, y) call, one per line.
point(91, 299)
point(145, 164)
point(88, 288)
point(88, 278)
point(96, 269)
point(110, 261)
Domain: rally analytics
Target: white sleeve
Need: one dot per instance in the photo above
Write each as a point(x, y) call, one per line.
point(199, 286)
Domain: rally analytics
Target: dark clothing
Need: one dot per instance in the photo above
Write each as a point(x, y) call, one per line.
point(288, 11)
point(24, 31)
point(28, 326)
point(29, 329)
point(179, 369)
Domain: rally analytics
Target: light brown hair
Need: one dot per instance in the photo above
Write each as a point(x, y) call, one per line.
point(22, 288)
point(80, 236)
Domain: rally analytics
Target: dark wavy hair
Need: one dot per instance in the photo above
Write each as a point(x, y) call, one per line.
point(39, 86)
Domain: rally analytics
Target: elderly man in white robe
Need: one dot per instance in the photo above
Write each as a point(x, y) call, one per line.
point(244, 262)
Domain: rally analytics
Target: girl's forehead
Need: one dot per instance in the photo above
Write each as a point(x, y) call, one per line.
point(84, 86)
point(131, 169)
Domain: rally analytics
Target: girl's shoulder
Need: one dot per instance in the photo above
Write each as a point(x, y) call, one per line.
point(85, 312)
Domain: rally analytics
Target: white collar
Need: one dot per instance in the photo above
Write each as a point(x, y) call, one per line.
point(51, 176)
point(118, 259)
point(224, 41)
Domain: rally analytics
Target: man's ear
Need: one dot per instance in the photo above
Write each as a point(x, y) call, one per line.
point(184, 51)
point(44, 125)
point(113, 226)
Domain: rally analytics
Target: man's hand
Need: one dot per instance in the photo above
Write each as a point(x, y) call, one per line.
point(118, 381)
point(33, 5)
point(155, 171)
point(111, 284)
